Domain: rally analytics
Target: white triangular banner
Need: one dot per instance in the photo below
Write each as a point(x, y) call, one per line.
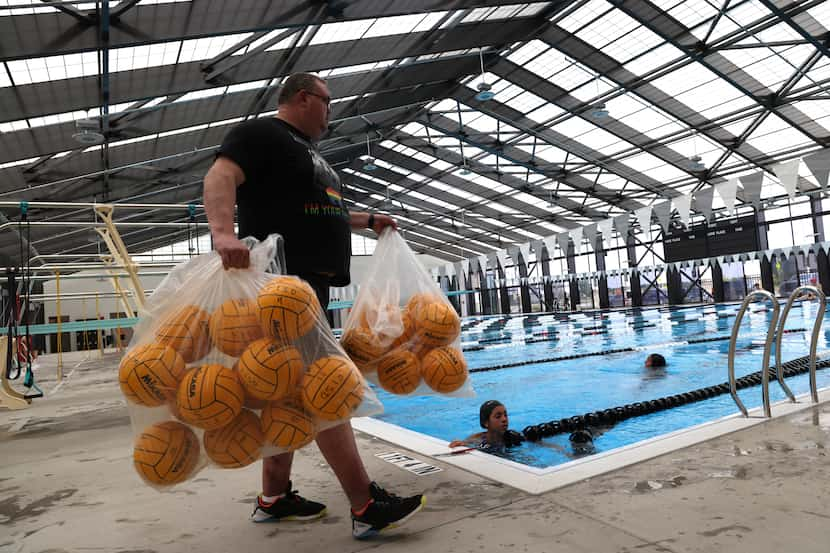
point(683, 205)
point(562, 238)
point(513, 252)
point(621, 224)
point(819, 165)
point(450, 269)
point(550, 245)
point(538, 246)
point(501, 255)
point(525, 251)
point(727, 191)
point(662, 211)
point(482, 263)
point(644, 219)
point(787, 173)
point(590, 233)
point(703, 201)
point(494, 261)
point(752, 184)
point(604, 227)
point(465, 266)
point(576, 236)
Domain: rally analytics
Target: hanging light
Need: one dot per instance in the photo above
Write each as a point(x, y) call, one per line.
point(598, 110)
point(696, 164)
point(464, 170)
point(484, 88)
point(368, 160)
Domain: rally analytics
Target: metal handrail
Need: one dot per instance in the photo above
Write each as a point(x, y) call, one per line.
point(799, 293)
point(733, 387)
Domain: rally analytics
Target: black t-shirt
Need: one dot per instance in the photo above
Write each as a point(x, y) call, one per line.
point(290, 189)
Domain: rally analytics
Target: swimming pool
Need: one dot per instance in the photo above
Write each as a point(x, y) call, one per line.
point(545, 391)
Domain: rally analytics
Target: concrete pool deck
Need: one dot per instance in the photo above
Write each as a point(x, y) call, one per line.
point(67, 485)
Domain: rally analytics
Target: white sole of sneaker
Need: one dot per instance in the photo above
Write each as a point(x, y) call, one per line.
point(368, 532)
point(265, 517)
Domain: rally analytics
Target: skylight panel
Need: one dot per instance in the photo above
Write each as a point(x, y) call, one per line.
point(524, 101)
point(652, 166)
point(402, 24)
point(821, 13)
point(650, 61)
point(202, 48)
point(776, 135)
point(815, 109)
point(528, 51)
point(650, 122)
point(592, 89)
point(489, 14)
point(768, 67)
point(342, 31)
point(545, 113)
point(551, 154)
point(746, 13)
point(584, 15)
point(690, 13)
point(547, 63)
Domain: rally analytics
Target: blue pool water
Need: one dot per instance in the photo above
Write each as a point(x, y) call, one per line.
point(545, 391)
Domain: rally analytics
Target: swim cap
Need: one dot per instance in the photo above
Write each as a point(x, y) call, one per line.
point(486, 410)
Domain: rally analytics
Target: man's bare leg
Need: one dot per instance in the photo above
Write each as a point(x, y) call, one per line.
point(337, 444)
point(276, 473)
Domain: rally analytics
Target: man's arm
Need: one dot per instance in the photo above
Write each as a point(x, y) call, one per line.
point(360, 220)
point(221, 181)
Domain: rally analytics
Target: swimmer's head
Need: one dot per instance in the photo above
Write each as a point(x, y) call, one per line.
point(582, 441)
point(655, 360)
point(493, 414)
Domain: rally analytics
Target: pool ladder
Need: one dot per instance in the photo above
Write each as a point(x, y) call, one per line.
point(776, 332)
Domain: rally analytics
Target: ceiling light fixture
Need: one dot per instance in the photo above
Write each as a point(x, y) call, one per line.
point(484, 88)
point(88, 132)
point(696, 164)
point(368, 160)
point(598, 110)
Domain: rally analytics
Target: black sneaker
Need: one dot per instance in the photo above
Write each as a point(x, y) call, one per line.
point(291, 506)
point(386, 510)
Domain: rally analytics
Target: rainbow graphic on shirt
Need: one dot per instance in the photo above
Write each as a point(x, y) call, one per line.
point(334, 195)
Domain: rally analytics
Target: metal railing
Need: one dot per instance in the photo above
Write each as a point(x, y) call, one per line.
point(802, 292)
point(733, 388)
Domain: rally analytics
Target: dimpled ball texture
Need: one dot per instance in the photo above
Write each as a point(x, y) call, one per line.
point(149, 374)
point(437, 324)
point(332, 388)
point(363, 346)
point(187, 330)
point(210, 397)
point(269, 370)
point(234, 325)
point(166, 453)
point(288, 308)
point(399, 372)
point(237, 444)
point(444, 369)
point(287, 426)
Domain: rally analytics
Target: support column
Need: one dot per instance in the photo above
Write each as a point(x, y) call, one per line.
point(547, 284)
point(602, 281)
point(674, 286)
point(634, 278)
point(484, 291)
point(823, 264)
point(717, 282)
point(523, 286)
point(766, 275)
point(573, 285)
point(504, 297)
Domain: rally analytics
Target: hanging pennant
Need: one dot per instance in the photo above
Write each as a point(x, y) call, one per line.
point(576, 236)
point(819, 165)
point(726, 191)
point(513, 252)
point(494, 262)
point(787, 173)
point(563, 238)
point(644, 219)
point(604, 227)
point(538, 249)
point(662, 210)
point(465, 266)
point(482, 263)
point(501, 255)
point(683, 205)
point(459, 272)
point(752, 184)
point(590, 233)
point(550, 245)
point(524, 249)
point(703, 201)
point(621, 223)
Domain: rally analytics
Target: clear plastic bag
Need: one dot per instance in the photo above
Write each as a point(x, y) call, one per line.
point(228, 366)
point(402, 332)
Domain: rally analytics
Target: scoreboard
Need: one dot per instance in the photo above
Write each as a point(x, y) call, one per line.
point(710, 240)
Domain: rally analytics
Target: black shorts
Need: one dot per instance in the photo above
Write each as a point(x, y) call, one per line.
point(320, 283)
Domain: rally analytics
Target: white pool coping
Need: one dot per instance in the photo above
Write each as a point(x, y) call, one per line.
point(536, 481)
